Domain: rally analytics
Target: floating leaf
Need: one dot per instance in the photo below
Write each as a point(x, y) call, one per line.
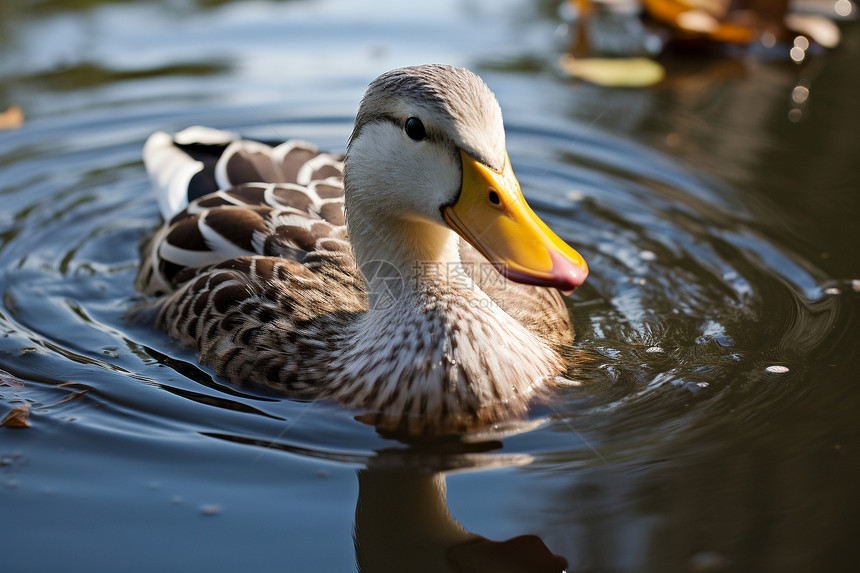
point(614, 72)
point(17, 418)
point(699, 19)
point(12, 118)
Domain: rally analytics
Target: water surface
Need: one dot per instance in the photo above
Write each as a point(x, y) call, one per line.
point(716, 426)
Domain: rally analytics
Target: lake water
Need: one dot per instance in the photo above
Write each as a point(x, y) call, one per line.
point(716, 427)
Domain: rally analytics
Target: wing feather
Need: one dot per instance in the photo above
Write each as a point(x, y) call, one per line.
point(260, 200)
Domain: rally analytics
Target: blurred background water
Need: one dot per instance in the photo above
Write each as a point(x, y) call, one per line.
point(716, 427)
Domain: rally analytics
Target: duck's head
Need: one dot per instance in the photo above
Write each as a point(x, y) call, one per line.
point(427, 156)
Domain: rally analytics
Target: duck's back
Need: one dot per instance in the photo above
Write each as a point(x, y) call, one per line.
point(223, 197)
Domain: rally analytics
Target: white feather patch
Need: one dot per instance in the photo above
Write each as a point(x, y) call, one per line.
point(170, 171)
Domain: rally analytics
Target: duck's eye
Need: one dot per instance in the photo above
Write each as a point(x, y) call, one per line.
point(415, 129)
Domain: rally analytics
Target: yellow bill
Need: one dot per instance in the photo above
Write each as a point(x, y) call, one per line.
point(492, 215)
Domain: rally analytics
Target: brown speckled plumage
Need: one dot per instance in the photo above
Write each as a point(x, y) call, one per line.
point(260, 276)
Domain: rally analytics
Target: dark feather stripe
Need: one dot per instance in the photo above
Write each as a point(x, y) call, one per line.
point(249, 194)
point(292, 197)
point(327, 171)
point(237, 224)
point(185, 233)
point(245, 166)
point(203, 182)
point(333, 213)
point(328, 191)
point(294, 161)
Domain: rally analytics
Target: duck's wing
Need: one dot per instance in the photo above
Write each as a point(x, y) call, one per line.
point(252, 252)
point(200, 160)
point(223, 197)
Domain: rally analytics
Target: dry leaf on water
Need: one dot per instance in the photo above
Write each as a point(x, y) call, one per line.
point(12, 118)
point(17, 418)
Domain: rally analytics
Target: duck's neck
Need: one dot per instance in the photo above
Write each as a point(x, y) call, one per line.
point(399, 257)
point(433, 347)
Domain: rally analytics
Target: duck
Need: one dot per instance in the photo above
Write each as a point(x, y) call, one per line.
point(407, 278)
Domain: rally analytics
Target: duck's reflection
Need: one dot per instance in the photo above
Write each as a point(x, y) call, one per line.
point(402, 521)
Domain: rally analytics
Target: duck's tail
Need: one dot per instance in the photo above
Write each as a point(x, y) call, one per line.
point(201, 160)
point(224, 197)
point(182, 167)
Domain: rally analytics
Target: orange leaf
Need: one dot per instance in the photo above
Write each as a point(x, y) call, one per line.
point(697, 21)
point(12, 118)
point(17, 418)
